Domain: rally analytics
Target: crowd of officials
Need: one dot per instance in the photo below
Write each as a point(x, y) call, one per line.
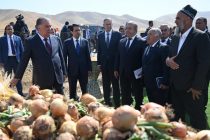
point(174, 67)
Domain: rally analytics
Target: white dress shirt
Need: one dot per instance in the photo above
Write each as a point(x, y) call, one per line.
point(75, 42)
point(110, 35)
point(182, 39)
point(42, 38)
point(9, 45)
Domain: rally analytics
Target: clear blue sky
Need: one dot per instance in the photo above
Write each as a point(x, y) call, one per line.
point(144, 9)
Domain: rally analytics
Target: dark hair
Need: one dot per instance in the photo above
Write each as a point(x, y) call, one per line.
point(8, 25)
point(203, 19)
point(40, 20)
point(66, 23)
point(71, 27)
point(150, 22)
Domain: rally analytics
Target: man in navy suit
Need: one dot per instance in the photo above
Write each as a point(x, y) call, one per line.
point(189, 62)
point(78, 63)
point(129, 59)
point(45, 51)
point(107, 44)
point(155, 71)
point(11, 50)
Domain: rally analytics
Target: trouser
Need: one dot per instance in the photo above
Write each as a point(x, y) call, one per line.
point(11, 66)
point(108, 78)
point(183, 104)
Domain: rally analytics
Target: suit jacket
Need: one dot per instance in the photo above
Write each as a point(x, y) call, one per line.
point(193, 59)
point(77, 63)
point(107, 54)
point(4, 48)
point(129, 60)
point(46, 67)
point(153, 65)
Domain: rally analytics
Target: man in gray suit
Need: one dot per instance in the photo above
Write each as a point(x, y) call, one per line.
point(45, 51)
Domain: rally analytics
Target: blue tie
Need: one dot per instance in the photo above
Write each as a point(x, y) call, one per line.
point(128, 43)
point(77, 47)
point(12, 46)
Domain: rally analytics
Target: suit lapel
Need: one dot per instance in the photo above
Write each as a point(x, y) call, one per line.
point(73, 46)
point(132, 44)
point(40, 42)
point(186, 42)
point(6, 44)
point(54, 45)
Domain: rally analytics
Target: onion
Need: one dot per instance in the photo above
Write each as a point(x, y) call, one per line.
point(23, 133)
point(203, 135)
point(16, 100)
point(155, 114)
point(103, 114)
point(3, 136)
point(44, 127)
point(179, 130)
point(125, 118)
point(3, 106)
point(58, 108)
point(33, 90)
point(38, 107)
point(38, 97)
point(68, 126)
point(108, 124)
point(87, 98)
point(65, 136)
point(57, 96)
point(113, 134)
point(47, 93)
point(190, 135)
point(60, 120)
point(92, 107)
point(16, 123)
point(150, 105)
point(87, 127)
point(73, 112)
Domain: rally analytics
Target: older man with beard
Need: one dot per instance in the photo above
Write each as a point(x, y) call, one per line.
point(189, 61)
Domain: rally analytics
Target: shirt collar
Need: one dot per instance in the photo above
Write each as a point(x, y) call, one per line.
point(185, 34)
point(153, 45)
point(132, 38)
point(76, 39)
point(9, 36)
point(42, 38)
point(110, 32)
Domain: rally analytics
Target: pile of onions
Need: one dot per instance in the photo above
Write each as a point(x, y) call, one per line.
point(16, 123)
point(68, 126)
point(155, 114)
point(65, 136)
point(73, 112)
point(38, 107)
point(103, 114)
point(47, 93)
point(114, 134)
point(58, 108)
point(57, 96)
point(33, 90)
point(44, 127)
point(87, 127)
point(23, 133)
point(87, 99)
point(179, 130)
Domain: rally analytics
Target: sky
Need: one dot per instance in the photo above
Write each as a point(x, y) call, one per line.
point(144, 9)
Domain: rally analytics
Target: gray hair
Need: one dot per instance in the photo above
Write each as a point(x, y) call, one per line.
point(134, 24)
point(40, 20)
point(157, 32)
point(107, 19)
point(165, 25)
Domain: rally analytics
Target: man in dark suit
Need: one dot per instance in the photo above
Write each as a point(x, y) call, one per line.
point(79, 63)
point(165, 37)
point(155, 71)
point(129, 60)
point(45, 51)
point(201, 24)
point(189, 62)
point(107, 44)
point(11, 50)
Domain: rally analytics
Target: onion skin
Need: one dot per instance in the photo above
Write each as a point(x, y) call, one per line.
point(150, 105)
point(87, 99)
point(113, 134)
point(68, 126)
point(103, 114)
point(33, 90)
point(87, 127)
point(179, 130)
point(38, 107)
point(58, 108)
point(125, 118)
point(65, 136)
point(23, 133)
point(203, 135)
point(16, 123)
point(73, 112)
point(155, 114)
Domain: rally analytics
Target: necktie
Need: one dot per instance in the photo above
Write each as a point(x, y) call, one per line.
point(12, 46)
point(48, 46)
point(107, 39)
point(147, 51)
point(163, 40)
point(77, 46)
point(128, 44)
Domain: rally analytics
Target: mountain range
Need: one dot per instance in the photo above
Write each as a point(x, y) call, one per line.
point(90, 18)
